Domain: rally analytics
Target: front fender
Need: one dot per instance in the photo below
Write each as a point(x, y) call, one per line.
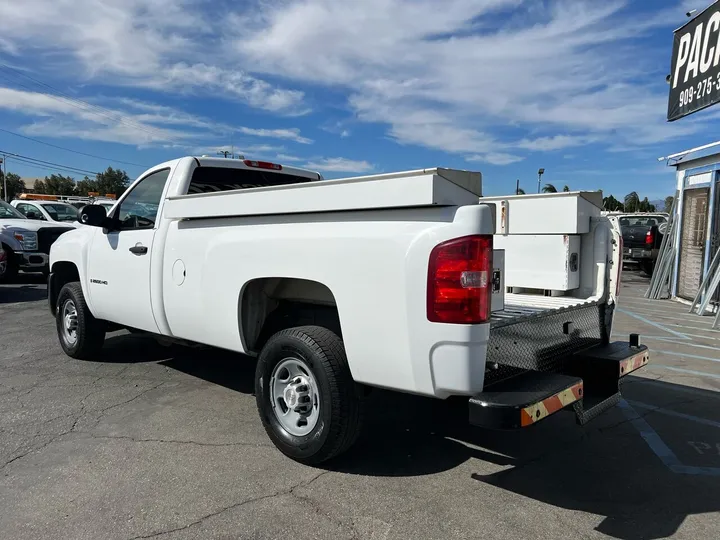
point(8, 239)
point(74, 247)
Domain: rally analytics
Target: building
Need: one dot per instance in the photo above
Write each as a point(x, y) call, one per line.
point(697, 209)
point(30, 183)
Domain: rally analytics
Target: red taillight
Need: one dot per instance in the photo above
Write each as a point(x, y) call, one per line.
point(263, 165)
point(649, 238)
point(459, 276)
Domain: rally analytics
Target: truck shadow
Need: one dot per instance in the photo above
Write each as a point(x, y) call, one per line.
point(605, 468)
point(23, 288)
point(613, 467)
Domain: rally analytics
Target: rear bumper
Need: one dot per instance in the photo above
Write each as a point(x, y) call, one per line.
point(590, 384)
point(638, 254)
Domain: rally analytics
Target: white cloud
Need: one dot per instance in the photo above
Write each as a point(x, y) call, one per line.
point(495, 158)
point(135, 122)
point(470, 77)
point(288, 157)
point(339, 164)
point(556, 142)
point(166, 45)
point(455, 77)
point(292, 134)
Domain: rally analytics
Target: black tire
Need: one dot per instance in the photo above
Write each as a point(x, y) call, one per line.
point(90, 333)
point(648, 266)
point(11, 267)
point(341, 405)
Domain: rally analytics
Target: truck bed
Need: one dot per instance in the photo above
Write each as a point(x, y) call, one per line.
point(520, 307)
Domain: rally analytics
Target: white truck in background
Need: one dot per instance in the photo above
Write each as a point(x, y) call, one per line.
point(337, 286)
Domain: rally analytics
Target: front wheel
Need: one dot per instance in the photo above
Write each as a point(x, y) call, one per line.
point(81, 335)
point(8, 266)
point(309, 404)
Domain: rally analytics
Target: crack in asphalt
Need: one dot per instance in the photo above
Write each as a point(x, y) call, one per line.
point(231, 507)
point(172, 441)
point(77, 417)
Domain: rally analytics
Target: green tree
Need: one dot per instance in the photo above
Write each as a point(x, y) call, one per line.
point(15, 186)
point(566, 188)
point(113, 181)
point(645, 206)
point(611, 204)
point(632, 202)
point(39, 186)
point(549, 188)
point(85, 186)
point(57, 184)
point(520, 191)
point(668, 203)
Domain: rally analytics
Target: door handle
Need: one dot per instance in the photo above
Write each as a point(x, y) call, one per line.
point(138, 249)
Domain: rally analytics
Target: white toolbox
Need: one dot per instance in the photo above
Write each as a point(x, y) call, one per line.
point(545, 213)
point(548, 262)
point(497, 298)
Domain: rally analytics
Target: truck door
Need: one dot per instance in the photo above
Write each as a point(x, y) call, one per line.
point(119, 261)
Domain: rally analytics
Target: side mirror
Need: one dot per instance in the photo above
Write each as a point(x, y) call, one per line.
point(33, 215)
point(93, 215)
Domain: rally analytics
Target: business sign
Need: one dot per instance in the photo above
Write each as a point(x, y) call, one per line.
point(695, 74)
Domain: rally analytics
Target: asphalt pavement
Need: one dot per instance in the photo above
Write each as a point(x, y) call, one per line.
point(155, 442)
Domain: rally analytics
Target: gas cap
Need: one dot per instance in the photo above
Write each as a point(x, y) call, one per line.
point(178, 272)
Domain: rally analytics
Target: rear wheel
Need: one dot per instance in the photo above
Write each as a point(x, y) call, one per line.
point(648, 266)
point(81, 335)
point(308, 402)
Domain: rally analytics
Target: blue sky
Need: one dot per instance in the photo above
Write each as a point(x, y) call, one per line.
point(501, 86)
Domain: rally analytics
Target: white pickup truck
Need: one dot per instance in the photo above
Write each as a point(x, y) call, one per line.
point(339, 286)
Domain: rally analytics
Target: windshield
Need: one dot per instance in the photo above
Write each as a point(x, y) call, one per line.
point(8, 212)
point(61, 211)
point(642, 221)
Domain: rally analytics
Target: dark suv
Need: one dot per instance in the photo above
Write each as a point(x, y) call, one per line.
point(642, 234)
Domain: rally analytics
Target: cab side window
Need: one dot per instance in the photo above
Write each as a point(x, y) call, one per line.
point(25, 209)
point(139, 209)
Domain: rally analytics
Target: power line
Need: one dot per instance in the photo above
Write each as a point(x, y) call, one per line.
point(28, 159)
point(43, 167)
point(54, 168)
point(74, 151)
point(59, 95)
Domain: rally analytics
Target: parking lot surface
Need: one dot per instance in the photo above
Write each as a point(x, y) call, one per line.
point(155, 442)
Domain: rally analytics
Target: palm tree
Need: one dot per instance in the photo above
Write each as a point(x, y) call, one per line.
point(632, 202)
point(549, 188)
point(566, 188)
point(520, 191)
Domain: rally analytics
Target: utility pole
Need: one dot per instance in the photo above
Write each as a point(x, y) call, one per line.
point(540, 173)
point(3, 160)
point(517, 187)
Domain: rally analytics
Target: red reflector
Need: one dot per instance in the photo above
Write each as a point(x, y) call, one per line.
point(262, 165)
point(649, 238)
point(459, 273)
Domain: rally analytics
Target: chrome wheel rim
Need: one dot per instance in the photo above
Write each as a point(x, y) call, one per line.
point(69, 322)
point(295, 396)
